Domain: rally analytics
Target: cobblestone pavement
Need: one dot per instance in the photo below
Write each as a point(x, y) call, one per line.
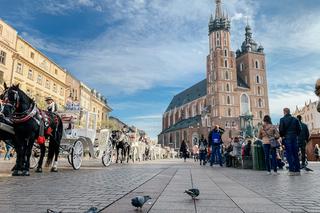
point(111, 189)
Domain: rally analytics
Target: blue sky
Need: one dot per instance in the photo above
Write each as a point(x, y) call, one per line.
point(140, 53)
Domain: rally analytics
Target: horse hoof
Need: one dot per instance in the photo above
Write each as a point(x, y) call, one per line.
point(39, 170)
point(54, 169)
point(16, 173)
point(25, 173)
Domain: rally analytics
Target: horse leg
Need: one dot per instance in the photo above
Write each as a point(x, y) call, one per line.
point(117, 154)
point(42, 154)
point(28, 152)
point(50, 153)
point(128, 153)
point(56, 155)
point(16, 170)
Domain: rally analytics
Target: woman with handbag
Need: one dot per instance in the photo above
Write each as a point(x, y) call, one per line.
point(269, 136)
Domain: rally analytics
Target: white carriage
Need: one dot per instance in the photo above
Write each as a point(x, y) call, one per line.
point(76, 141)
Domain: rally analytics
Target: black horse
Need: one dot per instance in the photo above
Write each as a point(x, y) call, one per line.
point(27, 121)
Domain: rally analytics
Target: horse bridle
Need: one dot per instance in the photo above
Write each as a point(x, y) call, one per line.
point(16, 99)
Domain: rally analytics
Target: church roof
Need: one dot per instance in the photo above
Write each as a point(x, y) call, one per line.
point(185, 123)
point(192, 93)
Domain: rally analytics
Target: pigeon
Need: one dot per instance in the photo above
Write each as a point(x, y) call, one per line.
point(92, 210)
point(308, 169)
point(51, 211)
point(139, 201)
point(193, 192)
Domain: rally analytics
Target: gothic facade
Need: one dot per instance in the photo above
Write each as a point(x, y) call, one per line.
point(235, 87)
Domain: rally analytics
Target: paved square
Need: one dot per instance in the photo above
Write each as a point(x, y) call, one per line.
point(111, 189)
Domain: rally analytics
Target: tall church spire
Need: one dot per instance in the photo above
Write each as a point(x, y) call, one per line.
point(218, 9)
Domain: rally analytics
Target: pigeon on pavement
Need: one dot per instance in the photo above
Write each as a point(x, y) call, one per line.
point(139, 201)
point(92, 210)
point(308, 169)
point(193, 192)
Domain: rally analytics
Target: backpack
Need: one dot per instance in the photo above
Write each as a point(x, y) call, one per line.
point(216, 138)
point(202, 146)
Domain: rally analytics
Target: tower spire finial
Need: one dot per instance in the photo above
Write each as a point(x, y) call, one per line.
point(218, 9)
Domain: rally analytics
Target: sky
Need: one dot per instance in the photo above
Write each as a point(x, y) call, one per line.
point(140, 53)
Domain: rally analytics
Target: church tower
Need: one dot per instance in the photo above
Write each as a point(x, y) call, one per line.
point(251, 70)
point(221, 72)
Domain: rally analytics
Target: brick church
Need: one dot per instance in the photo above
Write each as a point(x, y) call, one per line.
point(235, 88)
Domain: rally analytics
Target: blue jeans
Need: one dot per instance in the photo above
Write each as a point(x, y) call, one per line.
point(215, 151)
point(267, 152)
point(203, 156)
point(292, 150)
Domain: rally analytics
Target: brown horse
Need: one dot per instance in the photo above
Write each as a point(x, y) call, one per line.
point(317, 91)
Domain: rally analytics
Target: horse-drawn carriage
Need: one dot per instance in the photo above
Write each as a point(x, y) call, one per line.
point(76, 142)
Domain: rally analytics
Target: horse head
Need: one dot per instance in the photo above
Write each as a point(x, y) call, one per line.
point(14, 100)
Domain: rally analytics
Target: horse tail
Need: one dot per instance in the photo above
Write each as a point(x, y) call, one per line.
point(54, 145)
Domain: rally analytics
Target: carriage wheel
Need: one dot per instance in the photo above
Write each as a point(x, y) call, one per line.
point(35, 156)
point(107, 156)
point(76, 155)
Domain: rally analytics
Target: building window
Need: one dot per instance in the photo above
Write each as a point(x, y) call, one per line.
point(19, 68)
point(228, 88)
point(227, 75)
point(260, 102)
point(228, 100)
point(260, 114)
point(244, 105)
point(225, 52)
point(61, 91)
point(241, 67)
point(47, 84)
point(39, 79)
point(259, 91)
point(257, 64)
point(225, 63)
point(56, 71)
point(229, 112)
point(32, 55)
point(30, 74)
point(258, 79)
point(54, 88)
point(226, 125)
point(3, 57)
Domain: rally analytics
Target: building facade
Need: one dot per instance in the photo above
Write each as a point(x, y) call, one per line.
point(235, 87)
point(40, 77)
point(310, 116)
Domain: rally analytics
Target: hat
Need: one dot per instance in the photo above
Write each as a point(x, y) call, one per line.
point(48, 98)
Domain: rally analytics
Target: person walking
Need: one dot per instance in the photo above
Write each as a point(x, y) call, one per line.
point(303, 139)
point(216, 145)
point(316, 152)
point(267, 133)
point(289, 130)
point(203, 144)
point(183, 150)
point(195, 152)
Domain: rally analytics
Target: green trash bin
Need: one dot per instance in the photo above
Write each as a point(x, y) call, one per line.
point(258, 155)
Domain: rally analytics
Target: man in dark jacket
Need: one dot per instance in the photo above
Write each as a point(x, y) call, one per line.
point(289, 130)
point(303, 139)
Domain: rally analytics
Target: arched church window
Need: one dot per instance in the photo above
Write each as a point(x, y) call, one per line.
point(228, 100)
point(227, 75)
point(259, 91)
point(229, 112)
point(260, 115)
point(225, 63)
point(225, 52)
point(258, 79)
point(257, 64)
point(228, 88)
point(241, 67)
point(260, 102)
point(244, 106)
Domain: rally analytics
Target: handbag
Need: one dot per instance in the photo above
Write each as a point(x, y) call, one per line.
point(273, 142)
